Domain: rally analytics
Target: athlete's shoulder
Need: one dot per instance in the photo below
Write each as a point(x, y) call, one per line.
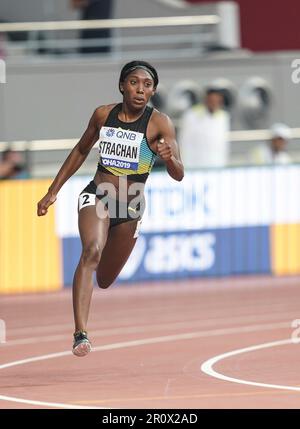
point(102, 112)
point(159, 118)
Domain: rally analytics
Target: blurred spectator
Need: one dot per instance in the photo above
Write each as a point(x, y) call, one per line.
point(203, 135)
point(94, 9)
point(273, 152)
point(12, 165)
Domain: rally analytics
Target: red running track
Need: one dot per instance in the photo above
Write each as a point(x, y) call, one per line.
point(151, 344)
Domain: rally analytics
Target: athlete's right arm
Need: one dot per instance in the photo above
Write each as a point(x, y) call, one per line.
point(75, 159)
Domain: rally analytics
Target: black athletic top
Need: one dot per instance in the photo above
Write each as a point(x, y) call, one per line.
point(123, 146)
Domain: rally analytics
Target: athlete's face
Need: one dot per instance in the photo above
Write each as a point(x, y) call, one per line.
point(137, 88)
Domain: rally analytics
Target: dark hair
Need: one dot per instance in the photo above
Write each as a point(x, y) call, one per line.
point(133, 65)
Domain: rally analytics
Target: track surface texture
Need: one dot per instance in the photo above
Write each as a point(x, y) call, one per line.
point(187, 344)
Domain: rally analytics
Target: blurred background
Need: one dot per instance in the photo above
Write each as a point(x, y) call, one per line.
point(229, 79)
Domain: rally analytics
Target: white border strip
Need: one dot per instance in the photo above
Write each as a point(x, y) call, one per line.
point(111, 23)
point(66, 144)
point(207, 366)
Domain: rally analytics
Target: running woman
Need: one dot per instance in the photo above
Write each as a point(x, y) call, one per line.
point(131, 134)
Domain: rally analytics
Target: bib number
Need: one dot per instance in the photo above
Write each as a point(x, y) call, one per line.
point(86, 200)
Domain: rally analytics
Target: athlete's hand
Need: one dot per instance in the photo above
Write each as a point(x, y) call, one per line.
point(164, 150)
point(45, 203)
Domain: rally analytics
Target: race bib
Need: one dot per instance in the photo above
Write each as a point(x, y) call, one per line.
point(120, 148)
point(85, 200)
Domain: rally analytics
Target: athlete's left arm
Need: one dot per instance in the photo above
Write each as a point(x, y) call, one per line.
point(167, 147)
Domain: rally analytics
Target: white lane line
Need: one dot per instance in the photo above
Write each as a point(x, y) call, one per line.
point(154, 340)
point(140, 329)
point(135, 343)
point(34, 359)
point(136, 330)
point(247, 317)
point(207, 366)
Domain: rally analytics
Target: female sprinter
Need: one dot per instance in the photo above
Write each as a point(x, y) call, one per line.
point(130, 136)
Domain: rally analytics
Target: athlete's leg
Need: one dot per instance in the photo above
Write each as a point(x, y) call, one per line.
point(93, 233)
point(118, 247)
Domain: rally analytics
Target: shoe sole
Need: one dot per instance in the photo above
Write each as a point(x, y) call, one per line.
point(82, 349)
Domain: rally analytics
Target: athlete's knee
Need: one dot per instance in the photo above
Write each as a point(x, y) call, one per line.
point(91, 255)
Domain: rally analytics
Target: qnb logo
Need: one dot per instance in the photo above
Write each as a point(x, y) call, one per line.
point(110, 132)
point(296, 73)
point(126, 135)
point(2, 71)
point(2, 332)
